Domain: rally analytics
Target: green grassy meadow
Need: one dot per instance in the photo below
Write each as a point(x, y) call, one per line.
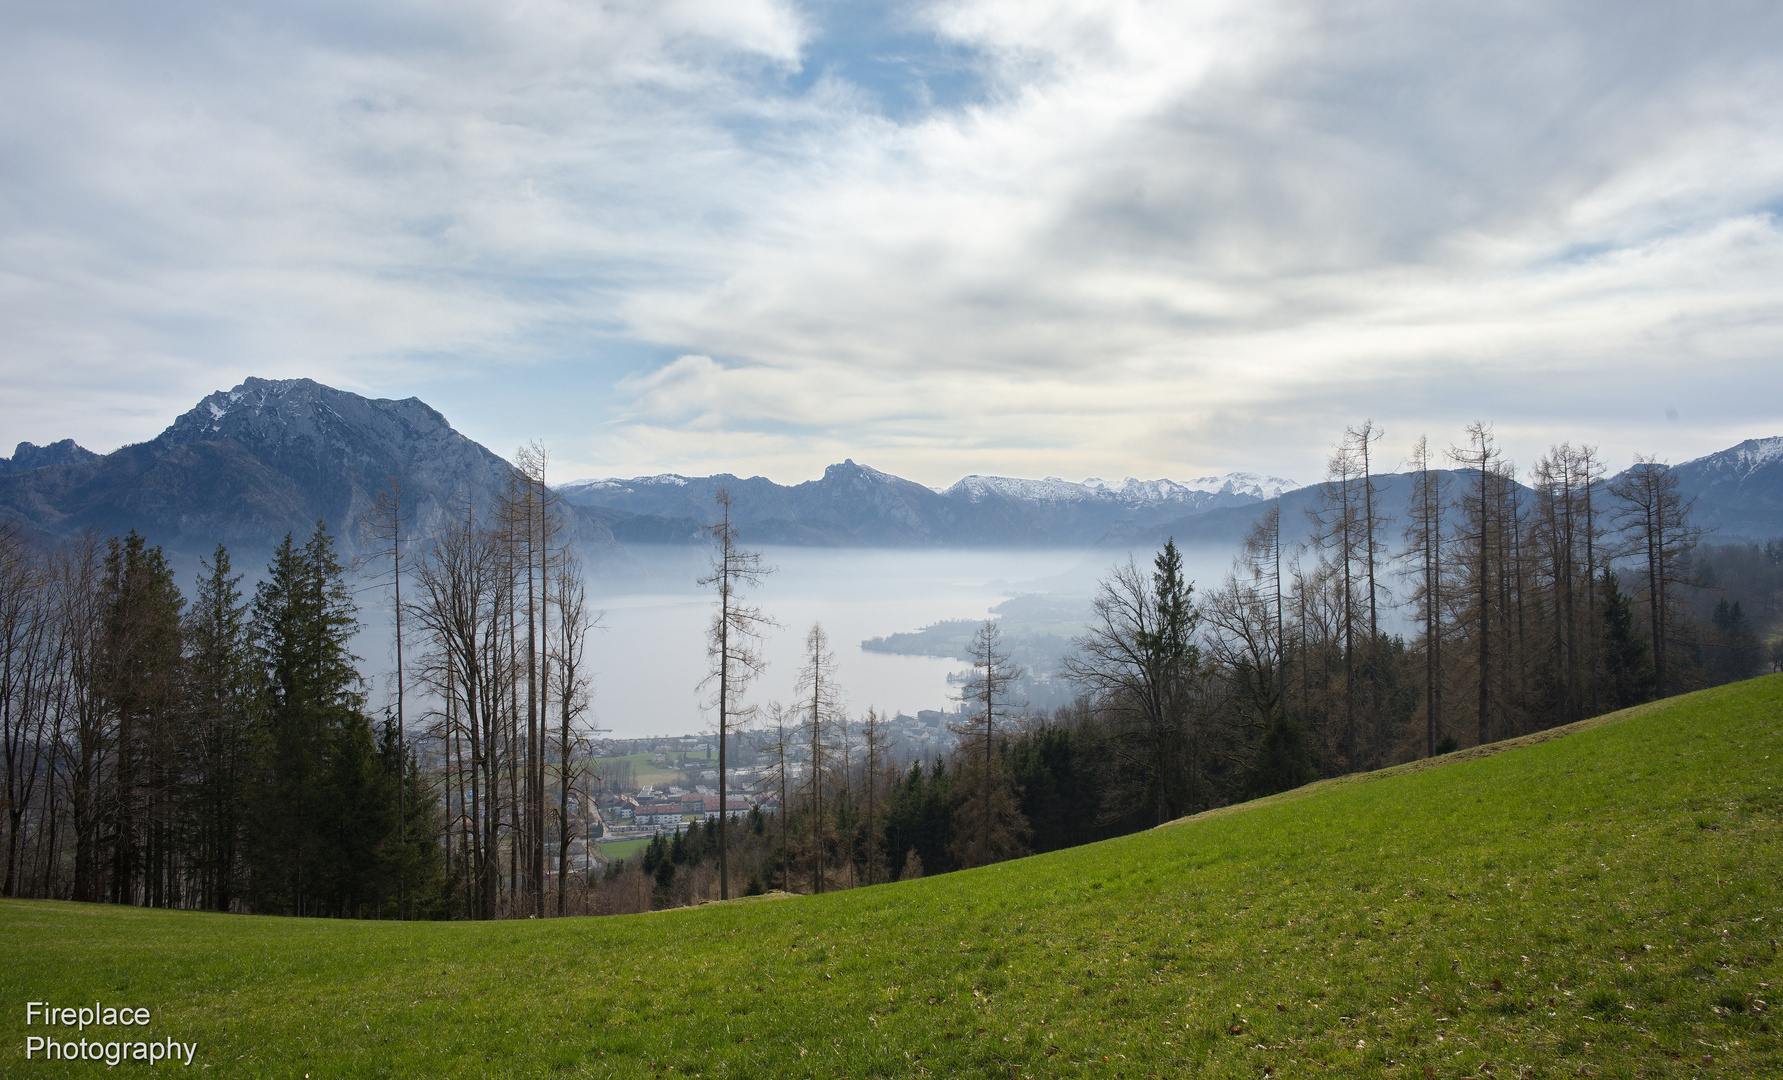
point(643, 773)
point(1605, 903)
point(624, 849)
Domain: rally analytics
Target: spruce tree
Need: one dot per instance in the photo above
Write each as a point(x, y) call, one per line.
point(1735, 653)
point(318, 809)
point(141, 682)
point(222, 690)
point(1626, 666)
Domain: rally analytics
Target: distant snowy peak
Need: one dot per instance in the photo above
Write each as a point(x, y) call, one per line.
point(616, 484)
point(303, 410)
point(1244, 484)
point(1132, 492)
point(1739, 462)
point(1200, 493)
point(1050, 490)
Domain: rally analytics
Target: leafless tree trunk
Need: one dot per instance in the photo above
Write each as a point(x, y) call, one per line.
point(874, 746)
point(1655, 519)
point(1339, 534)
point(461, 585)
point(382, 527)
point(1424, 532)
point(820, 702)
point(573, 625)
point(997, 837)
point(1479, 517)
point(734, 645)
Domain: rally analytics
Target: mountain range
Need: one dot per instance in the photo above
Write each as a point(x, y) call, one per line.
point(248, 465)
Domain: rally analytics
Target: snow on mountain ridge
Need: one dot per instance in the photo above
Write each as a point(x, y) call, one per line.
point(975, 488)
point(1744, 459)
point(1148, 492)
point(615, 483)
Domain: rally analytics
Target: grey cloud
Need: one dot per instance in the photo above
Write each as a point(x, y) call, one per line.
point(1165, 238)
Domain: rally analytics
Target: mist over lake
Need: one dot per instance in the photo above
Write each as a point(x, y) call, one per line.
point(652, 656)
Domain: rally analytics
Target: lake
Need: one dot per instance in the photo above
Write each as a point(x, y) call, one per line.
point(650, 658)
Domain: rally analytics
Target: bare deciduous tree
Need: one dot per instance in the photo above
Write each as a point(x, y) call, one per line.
point(821, 710)
point(1655, 519)
point(734, 646)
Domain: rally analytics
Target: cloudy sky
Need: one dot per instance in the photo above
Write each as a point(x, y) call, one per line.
point(1026, 237)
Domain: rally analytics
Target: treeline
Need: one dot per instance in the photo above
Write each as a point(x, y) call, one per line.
point(219, 753)
point(1496, 608)
point(213, 754)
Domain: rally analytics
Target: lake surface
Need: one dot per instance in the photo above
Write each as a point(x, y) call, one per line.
point(650, 658)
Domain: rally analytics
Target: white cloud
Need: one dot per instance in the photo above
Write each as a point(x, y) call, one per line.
point(1166, 239)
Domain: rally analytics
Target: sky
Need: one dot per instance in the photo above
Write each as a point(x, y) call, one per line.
point(1019, 237)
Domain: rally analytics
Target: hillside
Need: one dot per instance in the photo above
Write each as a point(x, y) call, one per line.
point(1601, 901)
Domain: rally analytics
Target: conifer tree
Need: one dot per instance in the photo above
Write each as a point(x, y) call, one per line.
point(1140, 661)
point(142, 679)
point(223, 693)
point(993, 829)
point(315, 730)
point(1625, 666)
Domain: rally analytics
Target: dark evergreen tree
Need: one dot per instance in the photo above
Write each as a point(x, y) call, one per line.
point(222, 690)
point(1734, 653)
point(417, 859)
point(358, 825)
point(1283, 760)
point(918, 819)
point(142, 683)
point(1055, 768)
point(321, 819)
point(1626, 663)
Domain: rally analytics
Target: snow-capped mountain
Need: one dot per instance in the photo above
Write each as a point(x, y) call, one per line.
point(1738, 491)
point(247, 465)
point(1203, 492)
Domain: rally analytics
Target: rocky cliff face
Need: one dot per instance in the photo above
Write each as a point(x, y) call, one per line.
point(29, 456)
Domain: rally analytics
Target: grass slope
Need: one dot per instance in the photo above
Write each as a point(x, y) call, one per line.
point(1603, 904)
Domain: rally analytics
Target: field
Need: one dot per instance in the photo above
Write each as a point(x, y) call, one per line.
point(646, 774)
point(624, 849)
point(1605, 903)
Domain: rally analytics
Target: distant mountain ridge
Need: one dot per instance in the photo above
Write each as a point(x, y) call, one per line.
point(247, 465)
point(855, 505)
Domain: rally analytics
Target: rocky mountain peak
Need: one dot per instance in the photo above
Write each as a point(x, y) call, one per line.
point(31, 456)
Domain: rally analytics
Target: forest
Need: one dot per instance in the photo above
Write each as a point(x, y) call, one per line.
point(218, 752)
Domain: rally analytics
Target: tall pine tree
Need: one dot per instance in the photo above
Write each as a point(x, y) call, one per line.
point(324, 834)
